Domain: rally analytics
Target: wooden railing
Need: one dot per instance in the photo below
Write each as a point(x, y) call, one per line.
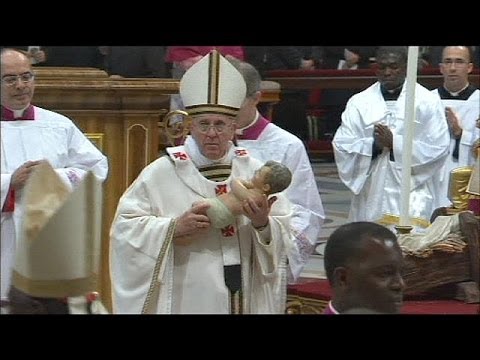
point(348, 79)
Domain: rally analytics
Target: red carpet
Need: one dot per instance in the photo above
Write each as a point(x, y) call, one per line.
point(439, 307)
point(320, 290)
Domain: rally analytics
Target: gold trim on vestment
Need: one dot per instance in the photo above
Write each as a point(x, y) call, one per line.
point(236, 302)
point(55, 288)
point(154, 288)
point(390, 219)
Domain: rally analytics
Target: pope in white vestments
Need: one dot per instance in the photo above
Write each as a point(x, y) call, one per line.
point(238, 269)
point(30, 135)
point(372, 172)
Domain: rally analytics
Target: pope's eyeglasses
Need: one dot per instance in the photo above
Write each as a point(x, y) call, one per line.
point(219, 127)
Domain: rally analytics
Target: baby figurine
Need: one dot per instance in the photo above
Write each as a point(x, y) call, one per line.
point(271, 178)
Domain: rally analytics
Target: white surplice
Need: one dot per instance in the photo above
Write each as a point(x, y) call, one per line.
point(275, 143)
point(191, 279)
point(376, 184)
point(468, 112)
point(50, 136)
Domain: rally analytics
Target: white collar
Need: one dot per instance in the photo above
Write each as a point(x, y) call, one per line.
point(240, 131)
point(17, 113)
point(332, 309)
point(199, 159)
point(457, 92)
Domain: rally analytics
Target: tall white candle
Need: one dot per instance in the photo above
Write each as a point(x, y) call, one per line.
point(411, 81)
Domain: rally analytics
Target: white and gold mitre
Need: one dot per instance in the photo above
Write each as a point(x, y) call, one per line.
point(213, 85)
point(58, 248)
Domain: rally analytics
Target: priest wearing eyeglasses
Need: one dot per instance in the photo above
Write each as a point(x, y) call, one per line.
point(461, 100)
point(31, 135)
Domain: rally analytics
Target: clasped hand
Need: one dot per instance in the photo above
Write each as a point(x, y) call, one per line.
point(453, 122)
point(383, 136)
